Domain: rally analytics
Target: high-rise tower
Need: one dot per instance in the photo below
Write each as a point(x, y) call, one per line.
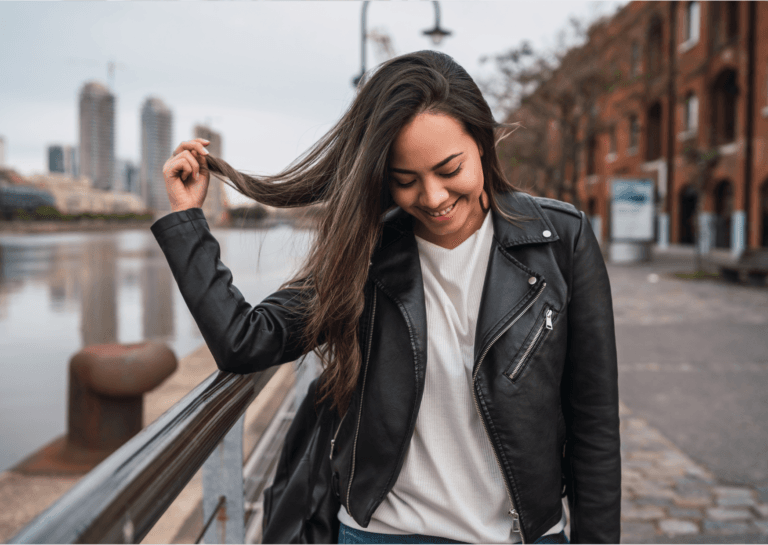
point(156, 127)
point(215, 204)
point(97, 134)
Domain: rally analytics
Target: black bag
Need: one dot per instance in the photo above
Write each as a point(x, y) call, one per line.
point(300, 506)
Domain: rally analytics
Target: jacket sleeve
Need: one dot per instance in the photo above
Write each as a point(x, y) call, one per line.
point(591, 399)
point(242, 338)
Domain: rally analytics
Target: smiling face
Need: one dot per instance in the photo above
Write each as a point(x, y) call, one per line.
point(436, 176)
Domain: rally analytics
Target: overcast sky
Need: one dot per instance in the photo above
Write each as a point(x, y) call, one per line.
point(270, 76)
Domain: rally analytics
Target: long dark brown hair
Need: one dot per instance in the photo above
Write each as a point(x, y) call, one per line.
point(347, 170)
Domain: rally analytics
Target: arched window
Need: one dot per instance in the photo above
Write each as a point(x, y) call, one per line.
point(653, 134)
point(691, 113)
point(655, 37)
point(692, 16)
point(687, 215)
point(725, 94)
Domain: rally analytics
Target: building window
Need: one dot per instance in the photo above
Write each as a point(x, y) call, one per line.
point(725, 22)
point(731, 21)
point(725, 94)
point(635, 61)
point(692, 15)
point(612, 140)
point(653, 144)
point(691, 113)
point(655, 37)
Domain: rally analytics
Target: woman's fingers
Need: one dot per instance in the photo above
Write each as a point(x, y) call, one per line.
point(198, 144)
point(181, 167)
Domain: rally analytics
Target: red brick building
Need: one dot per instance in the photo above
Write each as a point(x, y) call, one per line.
point(676, 92)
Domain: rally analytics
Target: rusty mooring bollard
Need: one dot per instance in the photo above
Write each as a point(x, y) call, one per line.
point(107, 383)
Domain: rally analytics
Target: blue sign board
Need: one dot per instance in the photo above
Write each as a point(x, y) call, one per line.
point(632, 210)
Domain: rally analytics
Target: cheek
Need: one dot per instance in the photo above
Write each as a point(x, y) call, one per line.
point(400, 196)
point(471, 182)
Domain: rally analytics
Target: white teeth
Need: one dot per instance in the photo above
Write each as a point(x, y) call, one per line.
point(443, 212)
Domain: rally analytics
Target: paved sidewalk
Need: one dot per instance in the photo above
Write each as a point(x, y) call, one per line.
point(688, 352)
point(668, 498)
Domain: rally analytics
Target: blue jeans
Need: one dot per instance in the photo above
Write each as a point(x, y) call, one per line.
point(351, 535)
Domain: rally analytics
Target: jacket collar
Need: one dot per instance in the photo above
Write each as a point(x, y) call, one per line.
point(527, 232)
point(396, 269)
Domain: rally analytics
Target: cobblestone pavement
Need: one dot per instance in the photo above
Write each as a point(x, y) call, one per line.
point(677, 338)
point(667, 497)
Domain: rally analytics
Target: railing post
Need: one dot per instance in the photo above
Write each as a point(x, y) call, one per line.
point(223, 476)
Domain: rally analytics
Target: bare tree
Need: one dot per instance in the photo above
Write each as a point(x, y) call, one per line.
point(553, 95)
point(704, 162)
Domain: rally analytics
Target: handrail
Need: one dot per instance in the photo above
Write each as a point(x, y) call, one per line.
point(123, 497)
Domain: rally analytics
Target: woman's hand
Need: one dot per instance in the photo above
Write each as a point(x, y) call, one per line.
point(186, 175)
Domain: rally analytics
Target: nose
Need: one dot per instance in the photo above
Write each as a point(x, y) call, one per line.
point(433, 193)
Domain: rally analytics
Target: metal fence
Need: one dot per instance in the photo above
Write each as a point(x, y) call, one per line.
point(121, 499)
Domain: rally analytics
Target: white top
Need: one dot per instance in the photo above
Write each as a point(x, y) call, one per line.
point(450, 484)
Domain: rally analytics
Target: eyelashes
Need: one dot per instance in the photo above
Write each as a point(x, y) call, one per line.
point(447, 175)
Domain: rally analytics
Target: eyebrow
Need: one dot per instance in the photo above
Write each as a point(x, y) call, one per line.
point(438, 165)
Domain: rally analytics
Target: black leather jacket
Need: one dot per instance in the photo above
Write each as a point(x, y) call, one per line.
point(545, 379)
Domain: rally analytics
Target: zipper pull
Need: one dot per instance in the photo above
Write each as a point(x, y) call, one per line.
point(515, 521)
point(549, 319)
point(333, 442)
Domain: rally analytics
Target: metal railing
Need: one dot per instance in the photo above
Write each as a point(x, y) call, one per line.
point(121, 499)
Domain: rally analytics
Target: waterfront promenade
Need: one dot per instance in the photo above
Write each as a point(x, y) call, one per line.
point(694, 418)
point(23, 496)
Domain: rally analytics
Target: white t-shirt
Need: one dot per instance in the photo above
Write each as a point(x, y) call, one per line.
point(450, 484)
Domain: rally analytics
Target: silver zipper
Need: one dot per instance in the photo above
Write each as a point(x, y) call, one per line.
point(333, 441)
point(512, 512)
point(524, 358)
point(362, 393)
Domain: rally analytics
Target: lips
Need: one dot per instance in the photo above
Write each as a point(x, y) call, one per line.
point(442, 212)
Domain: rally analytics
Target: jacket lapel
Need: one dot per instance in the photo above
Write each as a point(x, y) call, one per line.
point(396, 269)
point(509, 284)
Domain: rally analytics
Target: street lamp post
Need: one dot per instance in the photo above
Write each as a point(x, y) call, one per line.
point(437, 34)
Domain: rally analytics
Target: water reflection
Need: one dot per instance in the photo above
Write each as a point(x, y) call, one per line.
point(60, 292)
point(157, 289)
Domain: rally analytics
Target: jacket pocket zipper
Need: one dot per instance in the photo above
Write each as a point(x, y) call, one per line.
point(512, 511)
point(547, 323)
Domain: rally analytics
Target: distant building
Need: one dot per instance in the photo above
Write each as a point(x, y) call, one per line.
point(156, 129)
point(216, 202)
point(677, 85)
point(97, 134)
point(2, 151)
point(63, 159)
point(127, 177)
point(75, 196)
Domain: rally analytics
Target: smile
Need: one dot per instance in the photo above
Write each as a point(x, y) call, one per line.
point(442, 212)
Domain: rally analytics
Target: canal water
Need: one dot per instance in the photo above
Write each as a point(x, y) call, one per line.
point(60, 292)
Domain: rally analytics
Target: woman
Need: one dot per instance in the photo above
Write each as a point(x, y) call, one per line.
point(465, 328)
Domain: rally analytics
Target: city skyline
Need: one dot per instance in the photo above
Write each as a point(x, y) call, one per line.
point(273, 77)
